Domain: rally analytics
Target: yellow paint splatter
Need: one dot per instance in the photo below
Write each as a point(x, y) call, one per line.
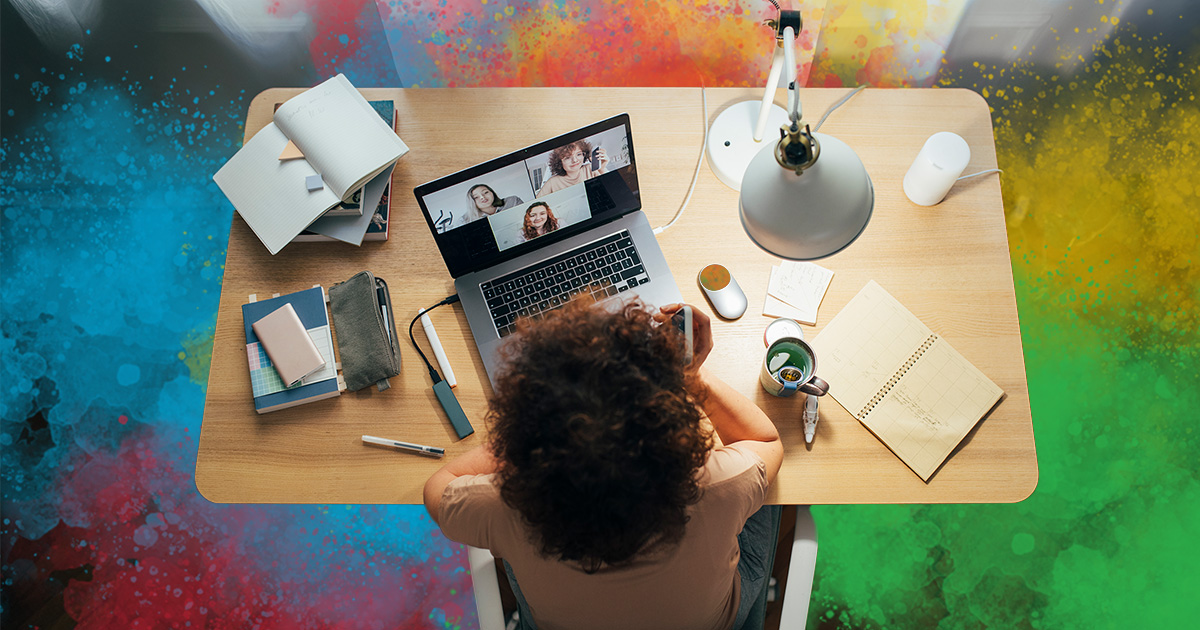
point(197, 355)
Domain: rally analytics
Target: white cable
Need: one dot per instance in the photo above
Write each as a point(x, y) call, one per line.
point(990, 170)
point(837, 105)
point(696, 175)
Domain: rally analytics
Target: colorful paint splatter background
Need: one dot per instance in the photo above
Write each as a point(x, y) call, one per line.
point(114, 115)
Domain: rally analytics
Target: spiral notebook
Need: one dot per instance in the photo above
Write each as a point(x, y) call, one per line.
point(906, 384)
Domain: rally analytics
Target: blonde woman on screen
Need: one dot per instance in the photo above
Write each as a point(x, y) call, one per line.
point(482, 202)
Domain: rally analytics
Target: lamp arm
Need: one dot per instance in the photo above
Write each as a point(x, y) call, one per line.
point(789, 56)
point(768, 98)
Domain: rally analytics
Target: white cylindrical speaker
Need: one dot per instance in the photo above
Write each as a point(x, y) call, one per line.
point(938, 165)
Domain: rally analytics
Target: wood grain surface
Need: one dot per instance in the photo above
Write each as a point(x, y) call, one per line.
point(949, 264)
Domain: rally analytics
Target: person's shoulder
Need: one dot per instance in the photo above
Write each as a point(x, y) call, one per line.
point(472, 489)
point(473, 513)
point(730, 462)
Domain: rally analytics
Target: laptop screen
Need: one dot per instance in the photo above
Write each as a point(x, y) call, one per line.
point(513, 204)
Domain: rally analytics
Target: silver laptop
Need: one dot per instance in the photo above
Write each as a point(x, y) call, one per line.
point(524, 233)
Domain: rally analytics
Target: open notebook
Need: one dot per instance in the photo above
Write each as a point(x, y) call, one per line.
point(901, 380)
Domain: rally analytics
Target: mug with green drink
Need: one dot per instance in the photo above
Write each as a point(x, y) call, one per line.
point(790, 366)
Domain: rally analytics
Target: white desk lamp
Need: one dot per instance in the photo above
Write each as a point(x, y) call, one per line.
point(795, 206)
point(740, 132)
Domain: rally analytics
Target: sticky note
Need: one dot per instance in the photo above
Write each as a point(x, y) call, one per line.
point(290, 152)
point(314, 182)
point(795, 290)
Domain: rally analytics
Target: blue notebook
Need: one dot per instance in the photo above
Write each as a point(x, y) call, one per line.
point(270, 393)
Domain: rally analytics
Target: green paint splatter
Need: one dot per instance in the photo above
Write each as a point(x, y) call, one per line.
point(1103, 216)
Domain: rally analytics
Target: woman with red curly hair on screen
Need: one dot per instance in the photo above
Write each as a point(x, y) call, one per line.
point(539, 220)
point(572, 164)
point(600, 487)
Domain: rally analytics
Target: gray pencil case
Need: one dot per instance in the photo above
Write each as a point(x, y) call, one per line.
point(365, 331)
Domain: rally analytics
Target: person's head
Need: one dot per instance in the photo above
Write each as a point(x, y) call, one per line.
point(597, 428)
point(567, 160)
point(482, 199)
point(539, 219)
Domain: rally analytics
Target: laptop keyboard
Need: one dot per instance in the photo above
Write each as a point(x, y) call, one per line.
point(601, 268)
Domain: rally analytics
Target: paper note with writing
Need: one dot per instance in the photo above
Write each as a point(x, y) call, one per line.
point(795, 290)
point(775, 307)
point(906, 384)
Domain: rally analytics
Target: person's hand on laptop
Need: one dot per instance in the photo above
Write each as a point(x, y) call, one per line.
point(702, 341)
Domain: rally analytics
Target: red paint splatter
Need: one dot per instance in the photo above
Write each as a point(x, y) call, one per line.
point(160, 556)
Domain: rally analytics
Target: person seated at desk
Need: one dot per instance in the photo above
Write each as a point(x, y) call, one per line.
point(600, 487)
point(572, 164)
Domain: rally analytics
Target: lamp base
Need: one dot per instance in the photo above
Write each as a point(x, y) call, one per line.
point(731, 143)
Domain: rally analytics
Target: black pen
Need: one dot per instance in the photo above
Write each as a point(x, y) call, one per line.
point(382, 296)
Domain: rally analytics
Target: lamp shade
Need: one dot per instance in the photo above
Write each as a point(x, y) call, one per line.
point(811, 215)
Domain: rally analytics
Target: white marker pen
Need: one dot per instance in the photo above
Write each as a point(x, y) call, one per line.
point(438, 352)
point(810, 418)
point(407, 446)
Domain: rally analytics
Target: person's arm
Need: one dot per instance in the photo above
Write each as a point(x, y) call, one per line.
point(477, 461)
point(734, 417)
point(739, 421)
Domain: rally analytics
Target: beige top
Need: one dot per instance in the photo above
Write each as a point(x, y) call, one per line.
point(694, 584)
point(562, 182)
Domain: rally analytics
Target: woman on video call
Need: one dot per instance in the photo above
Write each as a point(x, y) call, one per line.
point(572, 164)
point(539, 219)
point(483, 201)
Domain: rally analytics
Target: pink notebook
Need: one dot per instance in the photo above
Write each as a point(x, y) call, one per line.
point(287, 343)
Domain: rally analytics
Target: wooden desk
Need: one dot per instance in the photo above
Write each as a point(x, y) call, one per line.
point(949, 264)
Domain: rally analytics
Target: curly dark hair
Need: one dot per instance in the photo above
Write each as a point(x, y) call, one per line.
point(597, 429)
point(557, 155)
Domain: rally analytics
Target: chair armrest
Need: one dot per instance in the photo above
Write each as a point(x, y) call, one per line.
point(801, 570)
point(486, 587)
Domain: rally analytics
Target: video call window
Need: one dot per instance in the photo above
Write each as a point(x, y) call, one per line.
point(579, 161)
point(530, 198)
point(505, 188)
point(540, 217)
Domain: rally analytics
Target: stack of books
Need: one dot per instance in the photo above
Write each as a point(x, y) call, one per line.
point(270, 392)
point(321, 168)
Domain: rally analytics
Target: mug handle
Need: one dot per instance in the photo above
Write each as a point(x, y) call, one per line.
point(815, 386)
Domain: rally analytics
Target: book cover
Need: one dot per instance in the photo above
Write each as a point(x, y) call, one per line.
point(377, 229)
point(351, 207)
point(270, 393)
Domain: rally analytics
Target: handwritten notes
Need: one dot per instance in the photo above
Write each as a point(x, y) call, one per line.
point(796, 290)
point(906, 384)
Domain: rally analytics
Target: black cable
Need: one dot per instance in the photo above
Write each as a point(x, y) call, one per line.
point(437, 378)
